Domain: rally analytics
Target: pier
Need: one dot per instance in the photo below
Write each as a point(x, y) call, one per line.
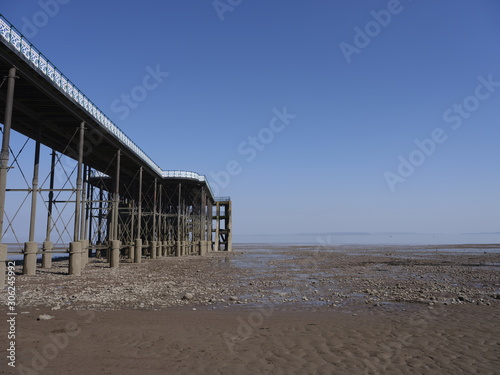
point(84, 186)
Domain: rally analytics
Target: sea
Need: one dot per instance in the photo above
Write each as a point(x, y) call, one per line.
point(332, 239)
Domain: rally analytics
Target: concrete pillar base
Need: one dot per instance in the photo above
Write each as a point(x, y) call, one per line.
point(3, 265)
point(115, 254)
point(152, 249)
point(47, 255)
point(172, 248)
point(29, 266)
point(138, 251)
point(199, 247)
point(85, 252)
point(131, 252)
point(165, 248)
point(177, 248)
point(75, 259)
point(204, 247)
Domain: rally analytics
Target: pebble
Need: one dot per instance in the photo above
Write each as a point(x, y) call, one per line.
point(45, 317)
point(188, 296)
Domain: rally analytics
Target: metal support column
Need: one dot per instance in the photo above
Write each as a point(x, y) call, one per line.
point(31, 247)
point(47, 244)
point(79, 183)
point(4, 165)
point(202, 222)
point(115, 243)
point(138, 241)
point(131, 250)
point(153, 234)
point(159, 232)
point(83, 214)
point(178, 244)
point(75, 256)
point(4, 152)
point(210, 213)
point(229, 226)
point(217, 227)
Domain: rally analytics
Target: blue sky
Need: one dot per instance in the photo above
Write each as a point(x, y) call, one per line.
point(335, 164)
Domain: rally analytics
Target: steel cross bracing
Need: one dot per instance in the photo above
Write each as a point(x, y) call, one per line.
point(83, 186)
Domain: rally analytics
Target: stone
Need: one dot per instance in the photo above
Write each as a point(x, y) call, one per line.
point(45, 317)
point(188, 296)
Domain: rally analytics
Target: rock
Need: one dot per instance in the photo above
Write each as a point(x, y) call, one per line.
point(188, 296)
point(233, 298)
point(56, 307)
point(45, 317)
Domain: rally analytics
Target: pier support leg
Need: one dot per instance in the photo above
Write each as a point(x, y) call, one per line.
point(75, 258)
point(30, 249)
point(47, 255)
point(4, 152)
point(138, 251)
point(115, 253)
point(3, 265)
point(229, 226)
point(217, 226)
point(4, 162)
point(79, 183)
point(47, 244)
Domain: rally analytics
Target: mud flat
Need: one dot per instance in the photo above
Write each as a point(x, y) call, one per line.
point(279, 309)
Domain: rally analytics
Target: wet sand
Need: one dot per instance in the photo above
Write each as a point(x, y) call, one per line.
point(267, 310)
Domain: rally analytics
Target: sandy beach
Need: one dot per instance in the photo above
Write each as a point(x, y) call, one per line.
point(280, 309)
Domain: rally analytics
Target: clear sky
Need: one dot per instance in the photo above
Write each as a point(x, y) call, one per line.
point(314, 116)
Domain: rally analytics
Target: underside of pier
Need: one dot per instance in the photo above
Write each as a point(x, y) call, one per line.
point(72, 182)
